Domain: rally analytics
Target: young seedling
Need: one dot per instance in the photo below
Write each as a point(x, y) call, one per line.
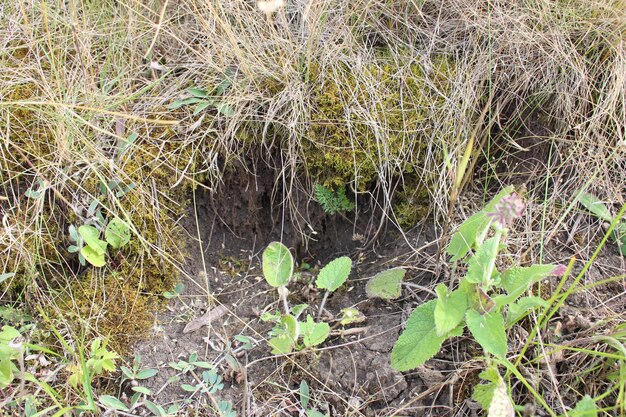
point(278, 266)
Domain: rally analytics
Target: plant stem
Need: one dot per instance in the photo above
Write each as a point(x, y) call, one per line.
point(282, 293)
point(319, 313)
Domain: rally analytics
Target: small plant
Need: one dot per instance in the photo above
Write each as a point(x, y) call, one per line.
point(203, 99)
point(601, 211)
point(485, 301)
point(10, 351)
point(333, 201)
point(305, 398)
point(289, 333)
point(86, 241)
point(100, 360)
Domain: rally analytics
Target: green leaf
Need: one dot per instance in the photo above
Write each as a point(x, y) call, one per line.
point(225, 109)
point(91, 237)
point(517, 280)
point(117, 233)
point(522, 306)
point(450, 308)
point(146, 373)
point(304, 394)
point(202, 106)
point(488, 330)
point(112, 402)
point(333, 275)
point(313, 413)
point(479, 264)
point(386, 284)
point(483, 393)
point(92, 256)
point(142, 390)
point(185, 102)
point(595, 206)
point(586, 407)
point(197, 92)
point(472, 228)
point(277, 264)
point(351, 315)
point(314, 333)
point(155, 409)
point(285, 335)
point(298, 309)
point(419, 341)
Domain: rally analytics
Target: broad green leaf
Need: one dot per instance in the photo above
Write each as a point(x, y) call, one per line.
point(595, 206)
point(419, 341)
point(7, 375)
point(112, 402)
point(333, 275)
point(522, 306)
point(488, 330)
point(386, 284)
point(92, 257)
point(277, 264)
point(483, 393)
point(117, 233)
point(285, 335)
point(90, 235)
point(482, 261)
point(202, 106)
point(313, 413)
point(450, 309)
point(314, 333)
point(586, 407)
point(298, 309)
point(472, 228)
point(501, 404)
point(142, 390)
point(517, 280)
point(155, 409)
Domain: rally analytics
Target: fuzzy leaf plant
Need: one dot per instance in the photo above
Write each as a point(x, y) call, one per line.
point(485, 301)
point(289, 333)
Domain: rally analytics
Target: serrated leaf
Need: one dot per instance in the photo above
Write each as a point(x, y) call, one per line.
point(450, 308)
point(595, 206)
point(501, 404)
point(112, 402)
point(482, 261)
point(314, 333)
point(286, 333)
point(476, 225)
point(117, 233)
point(91, 237)
point(334, 274)
point(386, 284)
point(488, 330)
point(586, 407)
point(92, 257)
point(517, 310)
point(419, 341)
point(277, 264)
point(483, 393)
point(515, 281)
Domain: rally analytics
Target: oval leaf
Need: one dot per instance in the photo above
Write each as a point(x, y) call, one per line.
point(277, 264)
point(386, 284)
point(419, 341)
point(90, 235)
point(112, 402)
point(94, 258)
point(488, 330)
point(333, 275)
point(117, 233)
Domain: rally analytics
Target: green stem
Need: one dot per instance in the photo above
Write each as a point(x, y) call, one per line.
point(492, 259)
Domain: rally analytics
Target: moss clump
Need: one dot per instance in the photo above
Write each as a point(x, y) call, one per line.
point(377, 118)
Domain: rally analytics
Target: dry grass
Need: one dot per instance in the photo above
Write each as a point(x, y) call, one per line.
point(76, 78)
